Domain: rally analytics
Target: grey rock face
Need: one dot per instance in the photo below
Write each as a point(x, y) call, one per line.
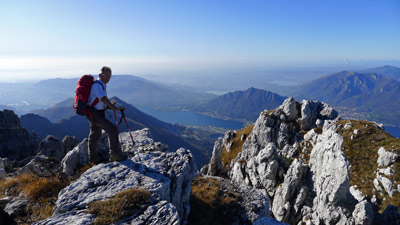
point(363, 213)
point(251, 204)
point(327, 112)
point(215, 167)
point(40, 165)
point(15, 141)
point(70, 218)
point(162, 213)
point(287, 190)
point(69, 143)
point(16, 207)
point(357, 194)
point(309, 111)
point(79, 156)
point(180, 168)
point(167, 176)
point(314, 193)
point(386, 158)
point(254, 203)
point(313, 113)
point(386, 183)
point(106, 180)
point(51, 148)
point(289, 107)
point(330, 175)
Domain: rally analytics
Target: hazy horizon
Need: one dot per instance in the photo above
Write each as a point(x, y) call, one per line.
point(46, 39)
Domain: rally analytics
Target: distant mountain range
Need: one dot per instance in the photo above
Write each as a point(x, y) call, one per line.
point(388, 71)
point(175, 136)
point(372, 95)
point(25, 97)
point(245, 105)
point(365, 94)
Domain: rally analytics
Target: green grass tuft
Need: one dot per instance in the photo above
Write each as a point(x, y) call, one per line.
point(123, 204)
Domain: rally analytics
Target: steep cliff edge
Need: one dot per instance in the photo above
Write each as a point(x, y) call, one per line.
point(16, 143)
point(314, 167)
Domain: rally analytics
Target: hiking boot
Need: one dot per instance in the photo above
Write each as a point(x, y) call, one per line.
point(117, 157)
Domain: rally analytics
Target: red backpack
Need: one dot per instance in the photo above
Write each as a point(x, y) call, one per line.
point(82, 93)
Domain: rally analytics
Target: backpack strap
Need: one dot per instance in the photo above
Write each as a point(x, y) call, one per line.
point(97, 99)
point(99, 83)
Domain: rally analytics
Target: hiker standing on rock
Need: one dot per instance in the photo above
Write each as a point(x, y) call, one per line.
point(98, 120)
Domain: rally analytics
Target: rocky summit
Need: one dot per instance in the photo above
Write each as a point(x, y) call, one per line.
point(165, 176)
point(314, 167)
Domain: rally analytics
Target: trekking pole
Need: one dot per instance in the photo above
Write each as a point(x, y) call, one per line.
point(123, 115)
point(116, 121)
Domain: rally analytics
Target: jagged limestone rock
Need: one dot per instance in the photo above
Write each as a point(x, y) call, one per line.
point(17, 207)
point(69, 143)
point(386, 158)
point(40, 165)
point(78, 156)
point(357, 194)
point(248, 206)
point(179, 167)
point(16, 143)
point(227, 140)
point(308, 114)
point(330, 175)
point(162, 213)
point(386, 183)
point(286, 192)
point(289, 151)
point(313, 113)
point(51, 148)
point(76, 217)
point(289, 107)
point(326, 112)
point(363, 213)
point(167, 176)
point(215, 166)
point(259, 171)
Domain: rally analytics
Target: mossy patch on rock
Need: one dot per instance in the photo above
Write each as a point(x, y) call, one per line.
point(210, 203)
point(236, 146)
point(362, 140)
point(123, 204)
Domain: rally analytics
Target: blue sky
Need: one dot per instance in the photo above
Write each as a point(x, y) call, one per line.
point(67, 38)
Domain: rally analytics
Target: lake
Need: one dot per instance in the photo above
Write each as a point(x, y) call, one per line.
point(195, 119)
point(394, 131)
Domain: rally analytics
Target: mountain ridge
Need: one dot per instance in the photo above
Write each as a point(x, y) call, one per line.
point(241, 104)
point(370, 94)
